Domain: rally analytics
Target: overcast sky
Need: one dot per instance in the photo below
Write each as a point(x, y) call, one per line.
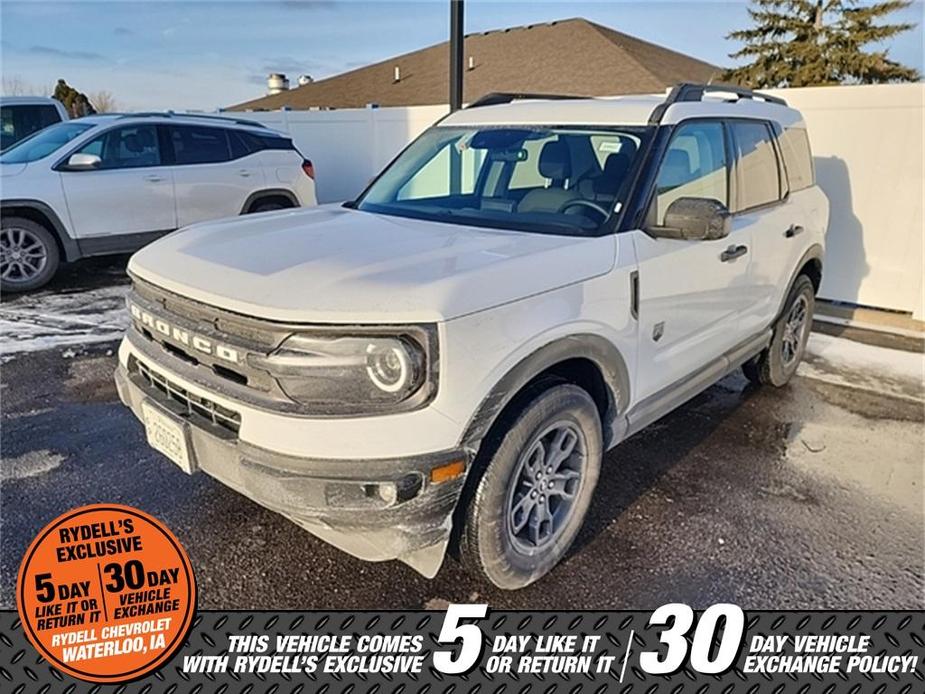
point(203, 55)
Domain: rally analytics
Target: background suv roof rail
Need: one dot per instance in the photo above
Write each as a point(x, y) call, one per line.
point(208, 116)
point(689, 91)
point(495, 98)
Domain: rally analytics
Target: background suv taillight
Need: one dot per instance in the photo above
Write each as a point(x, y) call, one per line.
point(308, 168)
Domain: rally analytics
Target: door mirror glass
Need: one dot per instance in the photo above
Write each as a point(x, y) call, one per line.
point(83, 162)
point(694, 219)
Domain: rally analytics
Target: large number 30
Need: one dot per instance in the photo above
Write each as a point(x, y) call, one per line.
point(674, 637)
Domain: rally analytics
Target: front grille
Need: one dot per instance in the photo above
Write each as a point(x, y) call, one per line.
point(193, 404)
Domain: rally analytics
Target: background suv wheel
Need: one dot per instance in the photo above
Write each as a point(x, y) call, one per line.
point(29, 255)
point(532, 496)
point(777, 364)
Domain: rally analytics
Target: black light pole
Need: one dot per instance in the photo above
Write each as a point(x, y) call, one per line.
point(456, 86)
point(456, 54)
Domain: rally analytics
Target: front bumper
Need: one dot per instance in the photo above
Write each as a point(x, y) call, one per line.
point(373, 509)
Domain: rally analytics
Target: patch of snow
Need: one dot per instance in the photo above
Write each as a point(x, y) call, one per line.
point(845, 362)
point(32, 464)
point(48, 321)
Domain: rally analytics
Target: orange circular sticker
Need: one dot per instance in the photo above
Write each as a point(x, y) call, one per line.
point(106, 593)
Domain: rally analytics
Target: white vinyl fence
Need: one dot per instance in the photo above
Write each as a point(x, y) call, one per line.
point(868, 147)
point(349, 146)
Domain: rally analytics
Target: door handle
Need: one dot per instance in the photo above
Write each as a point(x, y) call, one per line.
point(244, 173)
point(154, 178)
point(733, 252)
point(794, 230)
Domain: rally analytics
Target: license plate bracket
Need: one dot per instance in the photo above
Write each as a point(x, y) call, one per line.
point(168, 434)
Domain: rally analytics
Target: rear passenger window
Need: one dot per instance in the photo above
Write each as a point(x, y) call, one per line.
point(758, 175)
point(694, 167)
point(798, 159)
point(197, 145)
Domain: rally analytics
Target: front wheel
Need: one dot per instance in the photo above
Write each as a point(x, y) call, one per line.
point(534, 493)
point(778, 363)
point(29, 255)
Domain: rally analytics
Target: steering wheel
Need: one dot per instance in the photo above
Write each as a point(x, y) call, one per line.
point(585, 203)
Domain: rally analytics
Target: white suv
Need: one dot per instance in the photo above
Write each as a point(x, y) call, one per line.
point(446, 359)
point(112, 183)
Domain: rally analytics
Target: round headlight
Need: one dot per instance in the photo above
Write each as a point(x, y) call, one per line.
point(389, 366)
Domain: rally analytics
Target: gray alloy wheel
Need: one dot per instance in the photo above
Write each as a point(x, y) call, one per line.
point(777, 364)
point(546, 484)
point(794, 329)
point(29, 255)
point(531, 485)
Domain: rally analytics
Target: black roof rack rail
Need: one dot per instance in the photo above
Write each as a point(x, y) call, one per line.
point(689, 91)
point(495, 98)
point(209, 116)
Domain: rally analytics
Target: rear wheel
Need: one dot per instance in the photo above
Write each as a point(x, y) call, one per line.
point(778, 363)
point(270, 204)
point(29, 255)
point(533, 495)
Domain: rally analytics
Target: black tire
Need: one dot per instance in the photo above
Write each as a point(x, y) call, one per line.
point(488, 545)
point(268, 206)
point(776, 365)
point(22, 241)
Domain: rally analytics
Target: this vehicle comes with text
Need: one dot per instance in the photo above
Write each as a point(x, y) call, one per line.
point(443, 362)
point(112, 183)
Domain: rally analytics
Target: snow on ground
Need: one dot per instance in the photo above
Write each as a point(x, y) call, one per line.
point(858, 365)
point(41, 321)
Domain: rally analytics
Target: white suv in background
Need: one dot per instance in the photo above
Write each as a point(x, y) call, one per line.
point(447, 358)
point(112, 183)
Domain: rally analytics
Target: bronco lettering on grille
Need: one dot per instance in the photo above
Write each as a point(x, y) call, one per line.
point(184, 337)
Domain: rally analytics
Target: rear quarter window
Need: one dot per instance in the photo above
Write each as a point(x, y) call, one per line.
point(798, 158)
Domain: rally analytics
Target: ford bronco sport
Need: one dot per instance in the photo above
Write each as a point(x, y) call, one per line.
point(445, 360)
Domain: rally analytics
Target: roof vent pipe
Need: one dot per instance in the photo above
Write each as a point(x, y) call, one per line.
point(471, 63)
point(397, 77)
point(276, 83)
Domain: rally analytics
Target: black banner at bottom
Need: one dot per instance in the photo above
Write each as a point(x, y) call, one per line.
point(468, 648)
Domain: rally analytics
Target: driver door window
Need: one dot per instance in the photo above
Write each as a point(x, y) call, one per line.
point(695, 166)
point(130, 147)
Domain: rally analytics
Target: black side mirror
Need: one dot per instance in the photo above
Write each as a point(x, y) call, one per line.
point(694, 219)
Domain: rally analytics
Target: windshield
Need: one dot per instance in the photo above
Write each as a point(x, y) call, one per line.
point(546, 179)
point(43, 143)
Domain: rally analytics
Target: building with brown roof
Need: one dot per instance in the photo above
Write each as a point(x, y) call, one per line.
point(571, 56)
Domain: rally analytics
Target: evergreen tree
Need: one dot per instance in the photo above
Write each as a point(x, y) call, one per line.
point(799, 43)
point(75, 103)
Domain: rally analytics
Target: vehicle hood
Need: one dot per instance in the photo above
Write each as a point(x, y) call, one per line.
point(335, 265)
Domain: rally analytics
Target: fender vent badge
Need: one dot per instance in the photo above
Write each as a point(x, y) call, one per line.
point(658, 331)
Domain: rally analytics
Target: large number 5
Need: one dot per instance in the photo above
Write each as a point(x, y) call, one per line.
point(674, 637)
point(470, 635)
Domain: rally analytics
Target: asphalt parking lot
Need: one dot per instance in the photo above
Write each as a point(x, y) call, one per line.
point(805, 497)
